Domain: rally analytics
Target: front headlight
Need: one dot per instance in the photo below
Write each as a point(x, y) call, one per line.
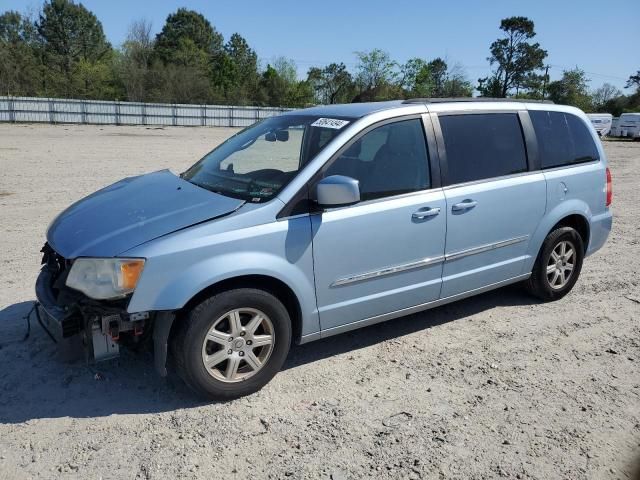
point(105, 278)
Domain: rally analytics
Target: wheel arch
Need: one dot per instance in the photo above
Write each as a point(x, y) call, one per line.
point(272, 285)
point(579, 223)
point(573, 213)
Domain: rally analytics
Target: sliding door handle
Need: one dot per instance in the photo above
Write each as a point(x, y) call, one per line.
point(464, 206)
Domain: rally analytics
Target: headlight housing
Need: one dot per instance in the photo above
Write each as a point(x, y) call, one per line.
point(105, 278)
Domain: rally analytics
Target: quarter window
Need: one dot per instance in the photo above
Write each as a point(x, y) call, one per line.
point(388, 160)
point(482, 146)
point(563, 138)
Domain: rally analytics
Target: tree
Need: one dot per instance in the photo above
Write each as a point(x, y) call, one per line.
point(331, 84)
point(73, 39)
point(375, 76)
point(438, 71)
point(571, 89)
point(456, 83)
point(516, 59)
point(603, 95)
point(187, 29)
point(279, 86)
point(434, 79)
point(135, 60)
point(634, 81)
point(415, 78)
point(19, 57)
point(238, 74)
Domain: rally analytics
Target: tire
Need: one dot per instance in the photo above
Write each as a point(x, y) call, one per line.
point(545, 285)
point(214, 318)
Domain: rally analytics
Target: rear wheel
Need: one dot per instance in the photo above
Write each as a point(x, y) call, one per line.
point(558, 264)
point(233, 343)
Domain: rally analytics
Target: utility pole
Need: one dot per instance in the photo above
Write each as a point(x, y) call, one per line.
point(544, 83)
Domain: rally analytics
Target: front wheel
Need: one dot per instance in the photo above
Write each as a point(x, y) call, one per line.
point(232, 343)
point(558, 265)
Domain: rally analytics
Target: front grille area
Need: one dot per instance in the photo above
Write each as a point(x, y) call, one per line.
point(58, 268)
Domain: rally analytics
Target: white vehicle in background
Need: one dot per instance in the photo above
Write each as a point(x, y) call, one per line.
point(629, 125)
point(615, 127)
point(601, 122)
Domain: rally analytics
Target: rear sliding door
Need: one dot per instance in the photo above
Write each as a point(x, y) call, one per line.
point(494, 199)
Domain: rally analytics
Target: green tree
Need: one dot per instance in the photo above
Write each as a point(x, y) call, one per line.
point(20, 65)
point(135, 60)
point(237, 74)
point(187, 30)
point(279, 86)
point(572, 89)
point(376, 76)
point(331, 84)
point(74, 44)
point(514, 57)
point(416, 78)
point(456, 84)
point(434, 79)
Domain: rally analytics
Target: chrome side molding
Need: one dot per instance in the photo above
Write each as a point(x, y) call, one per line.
point(485, 248)
point(425, 262)
point(388, 271)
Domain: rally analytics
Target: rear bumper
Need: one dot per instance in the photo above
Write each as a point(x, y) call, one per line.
point(599, 231)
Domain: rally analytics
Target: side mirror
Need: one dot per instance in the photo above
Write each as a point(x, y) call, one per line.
point(338, 191)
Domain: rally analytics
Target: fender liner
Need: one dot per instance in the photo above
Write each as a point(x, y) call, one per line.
point(161, 329)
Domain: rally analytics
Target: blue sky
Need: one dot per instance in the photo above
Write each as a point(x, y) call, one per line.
point(602, 40)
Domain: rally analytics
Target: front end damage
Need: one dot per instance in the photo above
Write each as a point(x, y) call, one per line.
point(95, 328)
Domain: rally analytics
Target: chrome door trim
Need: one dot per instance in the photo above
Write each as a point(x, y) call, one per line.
point(388, 271)
point(425, 262)
point(408, 311)
point(485, 248)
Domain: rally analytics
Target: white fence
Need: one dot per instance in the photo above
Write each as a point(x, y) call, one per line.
point(55, 110)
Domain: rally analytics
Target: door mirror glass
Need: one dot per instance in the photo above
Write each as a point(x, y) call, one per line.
point(338, 191)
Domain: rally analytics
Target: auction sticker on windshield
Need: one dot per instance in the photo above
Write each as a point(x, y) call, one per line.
point(330, 123)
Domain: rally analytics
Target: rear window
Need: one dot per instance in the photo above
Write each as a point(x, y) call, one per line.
point(483, 146)
point(564, 139)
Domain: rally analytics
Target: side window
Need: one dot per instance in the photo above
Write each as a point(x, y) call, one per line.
point(389, 160)
point(563, 138)
point(483, 146)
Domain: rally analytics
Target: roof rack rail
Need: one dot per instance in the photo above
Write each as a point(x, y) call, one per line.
point(473, 99)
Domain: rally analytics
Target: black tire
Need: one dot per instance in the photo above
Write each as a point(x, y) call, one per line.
point(539, 283)
point(187, 344)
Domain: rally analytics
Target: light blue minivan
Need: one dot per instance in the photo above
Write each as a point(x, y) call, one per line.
point(324, 220)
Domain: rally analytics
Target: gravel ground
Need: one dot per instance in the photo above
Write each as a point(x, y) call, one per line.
point(494, 386)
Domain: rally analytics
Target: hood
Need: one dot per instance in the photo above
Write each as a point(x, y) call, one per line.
point(131, 212)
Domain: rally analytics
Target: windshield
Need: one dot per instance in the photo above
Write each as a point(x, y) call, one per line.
point(258, 162)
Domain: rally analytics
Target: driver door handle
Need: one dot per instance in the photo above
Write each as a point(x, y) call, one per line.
point(425, 213)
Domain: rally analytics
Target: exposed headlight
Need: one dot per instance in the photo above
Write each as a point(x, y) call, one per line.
point(105, 278)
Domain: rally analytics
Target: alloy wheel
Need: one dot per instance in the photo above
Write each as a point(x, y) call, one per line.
point(238, 345)
point(561, 264)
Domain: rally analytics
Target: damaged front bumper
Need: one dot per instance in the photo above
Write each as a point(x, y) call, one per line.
point(98, 328)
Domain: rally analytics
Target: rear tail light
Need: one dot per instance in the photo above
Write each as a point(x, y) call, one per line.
point(609, 188)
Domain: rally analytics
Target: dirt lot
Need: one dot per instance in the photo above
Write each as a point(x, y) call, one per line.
point(494, 386)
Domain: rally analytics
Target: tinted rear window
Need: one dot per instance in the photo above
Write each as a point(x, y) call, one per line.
point(483, 146)
point(564, 139)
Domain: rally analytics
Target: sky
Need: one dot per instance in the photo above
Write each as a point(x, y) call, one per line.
point(600, 39)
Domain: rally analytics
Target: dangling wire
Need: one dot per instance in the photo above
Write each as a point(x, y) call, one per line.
point(27, 317)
